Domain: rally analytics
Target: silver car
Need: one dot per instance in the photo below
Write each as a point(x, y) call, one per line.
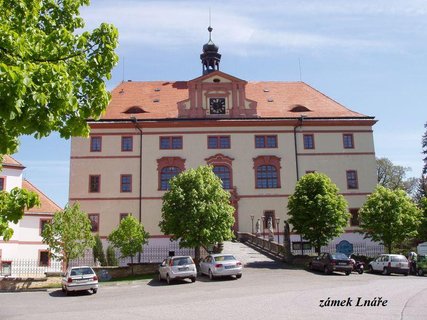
point(179, 267)
point(79, 279)
point(218, 265)
point(390, 263)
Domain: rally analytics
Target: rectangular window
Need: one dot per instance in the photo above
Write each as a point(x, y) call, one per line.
point(308, 141)
point(354, 219)
point(94, 220)
point(170, 142)
point(94, 183)
point(348, 141)
point(2, 184)
point(219, 142)
point(123, 215)
point(127, 143)
point(352, 182)
point(265, 141)
point(95, 144)
point(43, 223)
point(43, 258)
point(126, 183)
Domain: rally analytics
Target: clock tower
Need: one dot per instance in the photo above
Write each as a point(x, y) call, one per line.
point(210, 56)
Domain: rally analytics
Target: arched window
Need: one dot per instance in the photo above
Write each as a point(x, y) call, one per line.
point(169, 167)
point(267, 172)
point(266, 177)
point(166, 174)
point(223, 172)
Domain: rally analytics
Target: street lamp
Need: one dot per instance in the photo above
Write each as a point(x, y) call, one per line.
point(252, 220)
point(263, 219)
point(277, 226)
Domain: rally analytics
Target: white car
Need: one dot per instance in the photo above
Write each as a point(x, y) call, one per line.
point(79, 279)
point(179, 267)
point(218, 265)
point(390, 263)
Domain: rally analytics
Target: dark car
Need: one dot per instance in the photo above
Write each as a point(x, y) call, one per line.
point(330, 262)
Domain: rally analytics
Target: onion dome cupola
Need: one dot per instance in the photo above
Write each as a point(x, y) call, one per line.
point(210, 56)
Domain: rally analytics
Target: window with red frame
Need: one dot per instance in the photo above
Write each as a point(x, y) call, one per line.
point(44, 258)
point(94, 183)
point(127, 143)
point(166, 174)
point(2, 184)
point(219, 142)
point(348, 140)
point(265, 141)
point(43, 223)
point(126, 183)
point(223, 172)
point(95, 144)
point(267, 177)
point(123, 215)
point(94, 220)
point(352, 182)
point(308, 141)
point(170, 142)
point(354, 219)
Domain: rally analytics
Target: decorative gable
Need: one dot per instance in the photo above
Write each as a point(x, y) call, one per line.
point(217, 95)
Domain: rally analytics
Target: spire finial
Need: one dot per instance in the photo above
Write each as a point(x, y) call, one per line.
point(210, 24)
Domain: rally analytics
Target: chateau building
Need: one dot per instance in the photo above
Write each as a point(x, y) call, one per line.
point(260, 138)
point(26, 242)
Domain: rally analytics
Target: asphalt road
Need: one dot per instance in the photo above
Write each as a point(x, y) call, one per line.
point(267, 290)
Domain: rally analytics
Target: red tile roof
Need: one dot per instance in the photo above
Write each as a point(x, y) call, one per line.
point(8, 161)
point(47, 205)
point(159, 99)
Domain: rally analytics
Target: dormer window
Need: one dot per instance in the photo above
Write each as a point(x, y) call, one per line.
point(299, 108)
point(134, 110)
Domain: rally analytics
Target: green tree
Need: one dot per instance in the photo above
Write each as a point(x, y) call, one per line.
point(422, 229)
point(389, 217)
point(424, 146)
point(51, 72)
point(111, 256)
point(393, 177)
point(68, 234)
point(196, 210)
point(317, 211)
point(129, 237)
point(98, 251)
point(12, 206)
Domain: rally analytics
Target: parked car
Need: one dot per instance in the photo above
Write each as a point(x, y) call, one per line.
point(79, 279)
point(179, 267)
point(219, 265)
point(390, 263)
point(421, 265)
point(330, 262)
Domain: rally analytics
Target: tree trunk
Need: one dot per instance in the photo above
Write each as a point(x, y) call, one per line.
point(389, 247)
point(131, 264)
point(197, 256)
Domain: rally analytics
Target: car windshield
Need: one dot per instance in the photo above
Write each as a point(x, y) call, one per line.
point(225, 258)
point(182, 261)
point(339, 256)
point(81, 271)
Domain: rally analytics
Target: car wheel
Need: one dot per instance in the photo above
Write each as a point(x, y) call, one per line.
point(238, 276)
point(94, 291)
point(326, 270)
point(168, 279)
point(63, 289)
point(420, 272)
point(385, 271)
point(67, 292)
point(193, 279)
point(406, 274)
point(360, 271)
point(310, 266)
point(347, 273)
point(211, 276)
point(370, 269)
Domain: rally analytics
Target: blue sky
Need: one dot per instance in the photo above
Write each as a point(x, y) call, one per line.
point(369, 55)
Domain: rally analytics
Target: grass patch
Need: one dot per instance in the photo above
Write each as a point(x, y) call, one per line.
point(132, 278)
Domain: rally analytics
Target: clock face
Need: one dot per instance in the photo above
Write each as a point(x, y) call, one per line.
point(217, 105)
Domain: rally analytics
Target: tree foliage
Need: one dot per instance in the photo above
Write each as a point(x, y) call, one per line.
point(52, 77)
point(98, 251)
point(12, 206)
point(129, 237)
point(317, 211)
point(422, 229)
point(394, 177)
point(196, 209)
point(68, 234)
point(424, 146)
point(111, 256)
point(389, 217)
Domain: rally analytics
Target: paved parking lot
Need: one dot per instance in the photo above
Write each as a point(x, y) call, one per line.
point(267, 290)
